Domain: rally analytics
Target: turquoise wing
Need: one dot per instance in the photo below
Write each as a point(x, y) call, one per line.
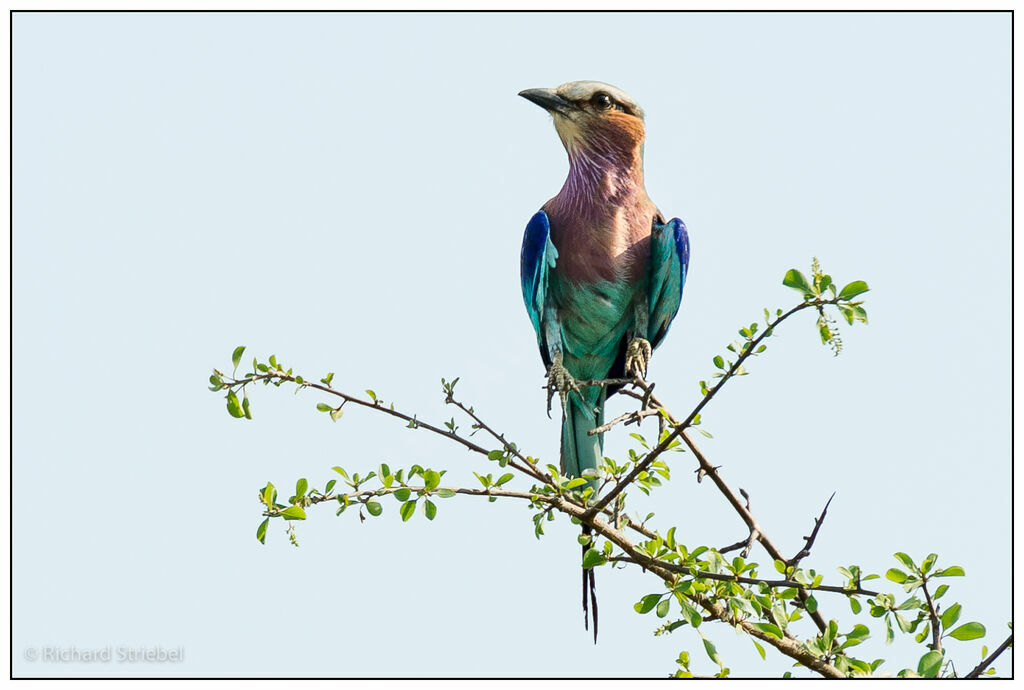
point(670, 258)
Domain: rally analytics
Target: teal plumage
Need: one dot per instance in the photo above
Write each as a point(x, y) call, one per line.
point(600, 266)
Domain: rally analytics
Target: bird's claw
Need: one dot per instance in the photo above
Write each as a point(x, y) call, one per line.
point(560, 381)
point(638, 356)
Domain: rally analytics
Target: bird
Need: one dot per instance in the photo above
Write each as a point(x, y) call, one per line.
point(602, 270)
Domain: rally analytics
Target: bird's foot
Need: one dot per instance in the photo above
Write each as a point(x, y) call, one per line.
point(560, 381)
point(638, 356)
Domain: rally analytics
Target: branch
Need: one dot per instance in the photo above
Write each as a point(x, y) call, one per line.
point(806, 551)
point(980, 668)
point(933, 616)
point(703, 574)
point(787, 646)
point(526, 468)
point(682, 426)
point(374, 405)
point(748, 543)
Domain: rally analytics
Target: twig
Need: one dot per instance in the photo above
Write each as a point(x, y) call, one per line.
point(526, 467)
point(749, 519)
point(933, 616)
point(634, 417)
point(980, 668)
point(375, 405)
point(748, 543)
point(682, 426)
point(809, 541)
point(721, 577)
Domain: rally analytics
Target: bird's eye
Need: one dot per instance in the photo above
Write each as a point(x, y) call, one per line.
point(602, 101)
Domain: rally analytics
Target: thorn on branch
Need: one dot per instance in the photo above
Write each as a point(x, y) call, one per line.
point(809, 541)
point(702, 472)
point(748, 543)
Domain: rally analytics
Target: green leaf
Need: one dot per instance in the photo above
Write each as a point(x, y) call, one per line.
point(689, 612)
point(859, 633)
point(234, 407)
point(770, 629)
point(930, 664)
point(663, 606)
point(504, 479)
point(300, 487)
point(853, 289)
point(407, 509)
point(246, 410)
point(796, 280)
point(896, 575)
point(374, 508)
point(952, 571)
point(430, 480)
point(811, 604)
point(323, 407)
point(336, 414)
point(950, 616)
point(712, 652)
point(429, 509)
point(647, 604)
point(929, 562)
point(236, 356)
point(854, 605)
point(719, 362)
point(444, 493)
point(402, 495)
point(330, 485)
point(261, 531)
point(293, 513)
point(373, 396)
point(760, 649)
point(905, 560)
point(593, 558)
point(968, 631)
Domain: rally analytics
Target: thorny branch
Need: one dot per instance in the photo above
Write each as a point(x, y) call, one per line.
point(591, 516)
point(809, 541)
point(572, 505)
point(980, 668)
point(686, 423)
point(933, 617)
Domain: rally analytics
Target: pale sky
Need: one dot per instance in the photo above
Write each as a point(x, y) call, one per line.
point(349, 192)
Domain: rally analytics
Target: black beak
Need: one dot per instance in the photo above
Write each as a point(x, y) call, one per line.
point(549, 100)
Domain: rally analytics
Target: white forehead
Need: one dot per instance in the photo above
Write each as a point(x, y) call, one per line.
point(583, 90)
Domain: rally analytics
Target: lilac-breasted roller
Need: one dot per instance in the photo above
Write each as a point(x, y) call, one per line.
point(602, 271)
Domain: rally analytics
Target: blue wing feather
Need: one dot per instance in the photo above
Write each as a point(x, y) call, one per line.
point(670, 259)
point(537, 257)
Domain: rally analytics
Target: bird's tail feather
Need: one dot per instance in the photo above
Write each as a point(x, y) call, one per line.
point(581, 451)
point(589, 584)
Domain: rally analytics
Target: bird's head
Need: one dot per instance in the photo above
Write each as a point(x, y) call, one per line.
point(591, 116)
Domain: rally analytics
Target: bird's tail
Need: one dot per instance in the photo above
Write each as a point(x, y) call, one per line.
point(581, 451)
point(589, 586)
